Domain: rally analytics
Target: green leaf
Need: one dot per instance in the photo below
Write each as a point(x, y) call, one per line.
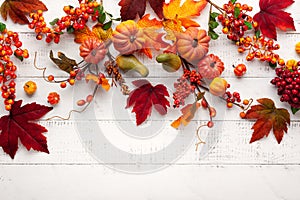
point(295, 110)
point(117, 19)
point(233, 1)
point(19, 57)
point(272, 65)
point(257, 33)
point(102, 18)
point(213, 24)
point(70, 29)
point(107, 25)
point(2, 27)
point(248, 24)
point(237, 12)
point(54, 22)
point(213, 35)
point(213, 15)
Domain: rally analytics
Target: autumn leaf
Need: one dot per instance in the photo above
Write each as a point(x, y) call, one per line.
point(184, 13)
point(271, 16)
point(63, 62)
point(97, 32)
point(19, 125)
point(18, 9)
point(144, 97)
point(268, 117)
point(188, 113)
point(153, 38)
point(98, 80)
point(131, 8)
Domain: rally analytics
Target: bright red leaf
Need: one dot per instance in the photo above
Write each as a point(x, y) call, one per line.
point(18, 9)
point(144, 97)
point(271, 16)
point(268, 117)
point(19, 125)
point(131, 8)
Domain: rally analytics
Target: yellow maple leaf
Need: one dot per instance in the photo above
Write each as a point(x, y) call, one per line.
point(189, 8)
point(177, 16)
point(100, 81)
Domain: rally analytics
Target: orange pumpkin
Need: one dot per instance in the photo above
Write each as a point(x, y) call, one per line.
point(92, 50)
point(218, 86)
point(210, 66)
point(128, 37)
point(193, 44)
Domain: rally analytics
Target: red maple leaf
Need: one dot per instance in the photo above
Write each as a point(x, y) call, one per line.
point(268, 117)
point(17, 9)
point(144, 97)
point(131, 8)
point(18, 125)
point(271, 16)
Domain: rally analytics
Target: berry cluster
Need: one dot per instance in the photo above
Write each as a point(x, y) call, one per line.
point(232, 98)
point(260, 48)
point(288, 84)
point(235, 20)
point(75, 19)
point(9, 45)
point(184, 86)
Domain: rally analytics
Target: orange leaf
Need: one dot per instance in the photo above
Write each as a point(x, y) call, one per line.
point(153, 38)
point(18, 9)
point(97, 32)
point(100, 81)
point(83, 34)
point(268, 117)
point(189, 9)
point(145, 22)
point(188, 113)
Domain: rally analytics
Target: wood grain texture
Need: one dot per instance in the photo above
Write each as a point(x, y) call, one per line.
point(227, 167)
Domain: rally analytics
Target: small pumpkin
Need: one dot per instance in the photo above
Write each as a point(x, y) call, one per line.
point(193, 44)
point(297, 48)
point(291, 63)
point(30, 87)
point(218, 86)
point(211, 66)
point(93, 50)
point(128, 37)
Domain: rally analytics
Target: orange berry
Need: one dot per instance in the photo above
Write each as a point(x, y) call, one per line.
point(72, 81)
point(63, 84)
point(229, 105)
point(210, 124)
point(245, 101)
point(8, 107)
point(50, 78)
point(242, 115)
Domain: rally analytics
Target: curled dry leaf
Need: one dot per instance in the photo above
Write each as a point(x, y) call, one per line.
point(63, 62)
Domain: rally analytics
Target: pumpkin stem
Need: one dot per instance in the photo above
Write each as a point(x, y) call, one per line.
point(132, 38)
point(212, 65)
point(195, 43)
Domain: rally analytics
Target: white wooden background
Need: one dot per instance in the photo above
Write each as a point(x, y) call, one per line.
point(232, 169)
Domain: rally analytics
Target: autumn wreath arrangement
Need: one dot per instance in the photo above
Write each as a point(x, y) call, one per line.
point(110, 47)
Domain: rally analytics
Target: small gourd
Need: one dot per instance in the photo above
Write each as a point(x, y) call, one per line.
point(210, 66)
point(193, 44)
point(170, 61)
point(291, 63)
point(297, 48)
point(93, 50)
point(30, 87)
point(218, 86)
point(128, 37)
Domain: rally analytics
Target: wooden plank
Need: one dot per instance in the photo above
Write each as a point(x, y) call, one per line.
point(177, 182)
